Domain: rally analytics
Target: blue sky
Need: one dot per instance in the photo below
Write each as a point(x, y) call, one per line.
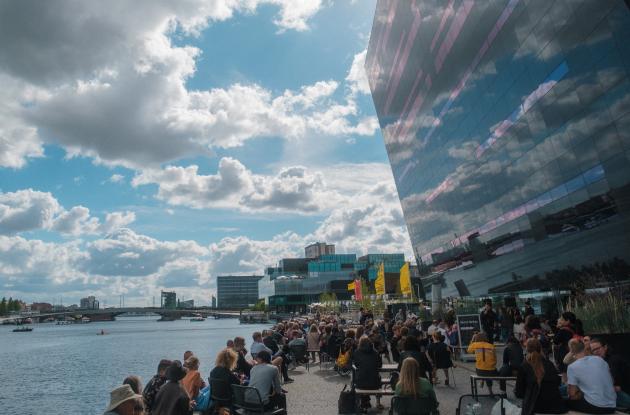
point(148, 146)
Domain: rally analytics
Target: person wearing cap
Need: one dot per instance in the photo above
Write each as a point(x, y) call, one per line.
point(266, 378)
point(153, 387)
point(123, 401)
point(172, 399)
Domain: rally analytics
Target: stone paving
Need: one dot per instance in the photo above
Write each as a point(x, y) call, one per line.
point(317, 391)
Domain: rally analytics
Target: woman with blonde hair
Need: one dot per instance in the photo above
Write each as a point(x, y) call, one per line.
point(413, 386)
point(537, 383)
point(192, 382)
point(222, 377)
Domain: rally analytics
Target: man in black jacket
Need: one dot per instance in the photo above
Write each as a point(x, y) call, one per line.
point(619, 369)
point(488, 318)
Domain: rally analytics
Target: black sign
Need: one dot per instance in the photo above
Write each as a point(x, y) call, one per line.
point(468, 325)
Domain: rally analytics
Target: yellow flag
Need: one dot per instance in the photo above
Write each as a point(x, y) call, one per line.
point(351, 286)
point(379, 284)
point(405, 279)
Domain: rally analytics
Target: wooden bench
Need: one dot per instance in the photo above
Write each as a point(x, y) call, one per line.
point(370, 392)
point(476, 378)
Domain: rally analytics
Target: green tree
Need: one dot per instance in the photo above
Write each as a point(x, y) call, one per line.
point(16, 305)
point(3, 306)
point(10, 305)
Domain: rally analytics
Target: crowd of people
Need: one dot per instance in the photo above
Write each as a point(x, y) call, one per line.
point(557, 367)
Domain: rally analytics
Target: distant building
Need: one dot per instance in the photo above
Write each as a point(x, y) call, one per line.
point(186, 304)
point(89, 303)
point(214, 302)
point(42, 307)
point(237, 291)
point(168, 299)
point(318, 249)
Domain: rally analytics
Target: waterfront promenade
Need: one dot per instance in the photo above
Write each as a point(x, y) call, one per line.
point(317, 391)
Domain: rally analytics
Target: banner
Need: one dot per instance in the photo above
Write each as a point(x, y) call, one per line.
point(379, 284)
point(358, 295)
point(405, 280)
point(351, 286)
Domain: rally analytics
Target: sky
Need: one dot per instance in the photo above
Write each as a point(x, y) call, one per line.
point(153, 145)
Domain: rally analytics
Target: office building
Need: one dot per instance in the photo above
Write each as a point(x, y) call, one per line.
point(186, 304)
point(507, 126)
point(318, 249)
point(237, 291)
point(168, 299)
point(89, 303)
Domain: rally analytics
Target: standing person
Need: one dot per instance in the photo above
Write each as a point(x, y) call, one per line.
point(488, 318)
point(591, 387)
point(266, 378)
point(485, 357)
point(519, 329)
point(537, 383)
point(529, 310)
point(368, 362)
point(172, 399)
point(153, 387)
point(123, 401)
point(506, 323)
point(312, 341)
point(413, 385)
point(619, 369)
point(440, 356)
point(193, 382)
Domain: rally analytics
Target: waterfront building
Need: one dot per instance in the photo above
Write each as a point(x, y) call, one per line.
point(318, 249)
point(328, 274)
point(237, 291)
point(168, 299)
point(214, 302)
point(187, 304)
point(89, 303)
point(507, 126)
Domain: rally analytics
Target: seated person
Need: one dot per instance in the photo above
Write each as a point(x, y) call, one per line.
point(411, 348)
point(512, 359)
point(485, 357)
point(537, 383)
point(368, 362)
point(266, 378)
point(297, 339)
point(172, 399)
point(223, 371)
point(123, 401)
point(243, 367)
point(619, 369)
point(414, 386)
point(590, 384)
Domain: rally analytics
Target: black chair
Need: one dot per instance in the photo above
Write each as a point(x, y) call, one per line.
point(299, 355)
point(220, 394)
point(409, 406)
point(247, 400)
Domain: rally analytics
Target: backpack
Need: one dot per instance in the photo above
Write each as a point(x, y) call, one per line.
point(347, 403)
point(203, 399)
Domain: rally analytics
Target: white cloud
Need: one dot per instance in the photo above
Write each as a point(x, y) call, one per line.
point(357, 76)
point(117, 178)
point(111, 85)
point(30, 210)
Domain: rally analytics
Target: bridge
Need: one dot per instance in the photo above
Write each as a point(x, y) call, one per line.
point(108, 314)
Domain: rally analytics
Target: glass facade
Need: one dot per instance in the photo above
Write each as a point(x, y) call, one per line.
point(507, 126)
point(237, 291)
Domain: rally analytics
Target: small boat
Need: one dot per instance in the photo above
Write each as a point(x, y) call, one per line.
point(197, 319)
point(22, 329)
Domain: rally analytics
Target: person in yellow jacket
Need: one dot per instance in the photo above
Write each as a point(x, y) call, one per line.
point(485, 357)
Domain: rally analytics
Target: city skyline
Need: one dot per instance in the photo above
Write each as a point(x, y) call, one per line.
point(155, 146)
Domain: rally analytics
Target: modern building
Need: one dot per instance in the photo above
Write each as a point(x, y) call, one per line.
point(330, 273)
point(507, 126)
point(89, 303)
point(168, 299)
point(186, 304)
point(237, 291)
point(214, 302)
point(318, 249)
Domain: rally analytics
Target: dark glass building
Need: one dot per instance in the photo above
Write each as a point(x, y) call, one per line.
point(507, 126)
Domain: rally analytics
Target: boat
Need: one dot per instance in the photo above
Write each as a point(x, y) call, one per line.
point(22, 329)
point(197, 317)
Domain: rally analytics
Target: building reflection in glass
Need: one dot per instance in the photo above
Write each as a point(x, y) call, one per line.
point(507, 125)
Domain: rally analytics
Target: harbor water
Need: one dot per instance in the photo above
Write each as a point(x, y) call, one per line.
point(70, 369)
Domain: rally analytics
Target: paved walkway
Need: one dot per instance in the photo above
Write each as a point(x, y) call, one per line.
point(316, 392)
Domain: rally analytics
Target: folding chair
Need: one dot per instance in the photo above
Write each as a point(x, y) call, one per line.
point(247, 400)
